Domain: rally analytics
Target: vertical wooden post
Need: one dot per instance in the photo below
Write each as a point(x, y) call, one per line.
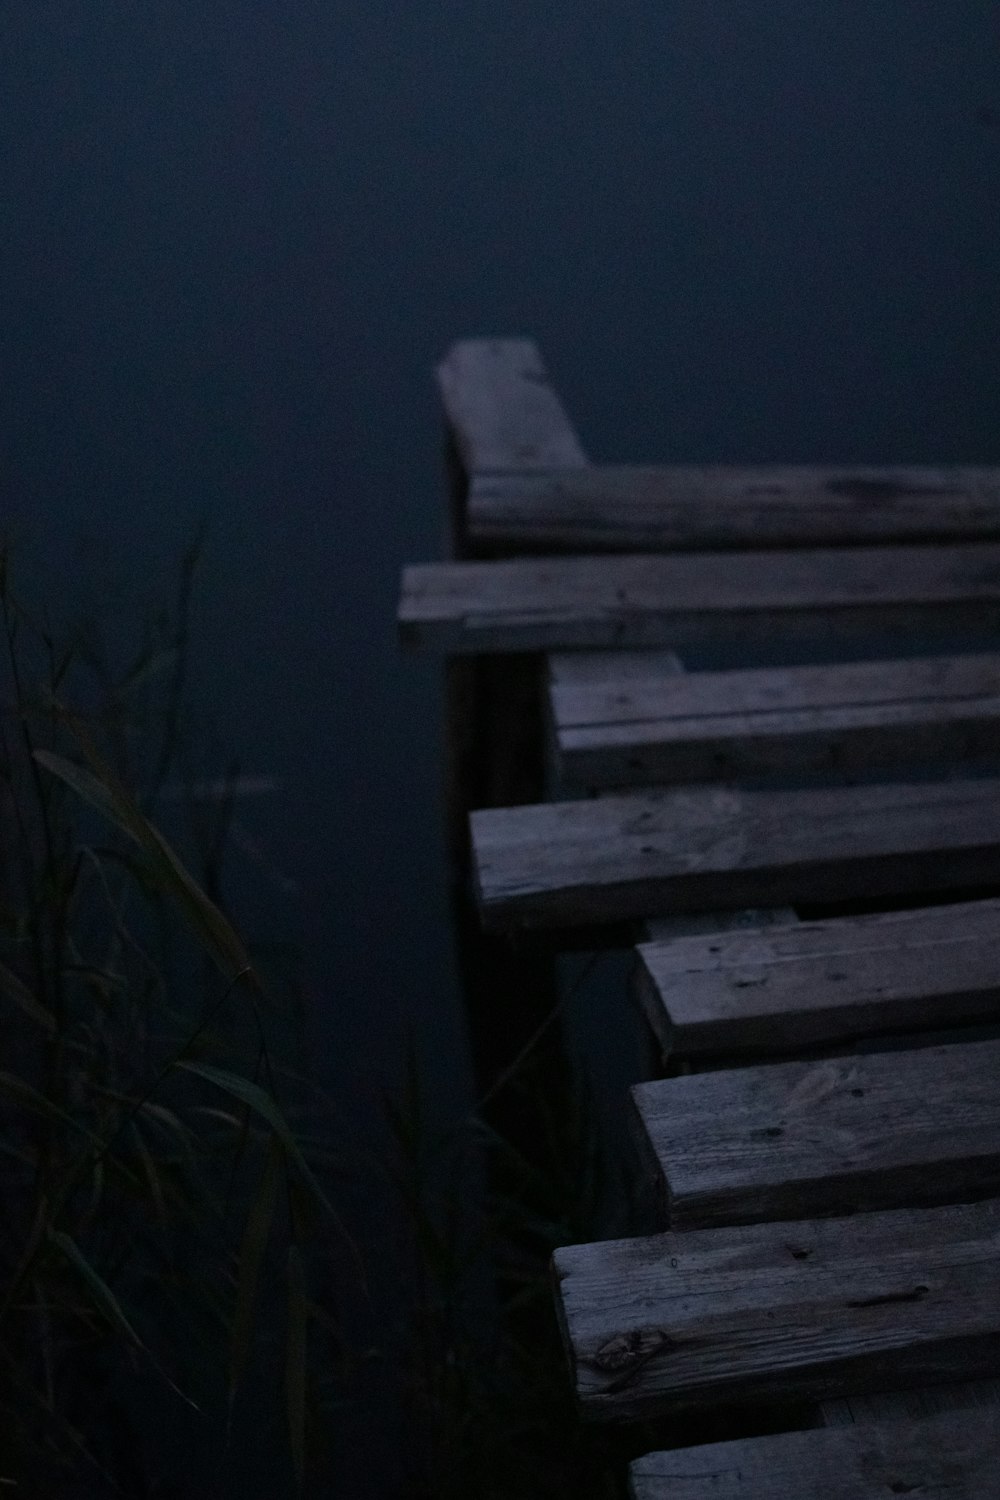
point(502, 416)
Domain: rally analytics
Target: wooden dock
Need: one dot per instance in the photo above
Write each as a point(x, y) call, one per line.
point(748, 721)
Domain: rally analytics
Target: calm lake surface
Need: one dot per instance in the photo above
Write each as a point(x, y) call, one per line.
point(236, 237)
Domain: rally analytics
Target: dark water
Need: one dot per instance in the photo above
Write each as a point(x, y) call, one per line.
point(237, 236)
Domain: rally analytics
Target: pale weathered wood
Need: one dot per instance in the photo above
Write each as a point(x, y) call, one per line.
point(883, 1130)
point(640, 508)
point(620, 731)
point(953, 1457)
point(814, 1309)
point(501, 409)
point(639, 601)
point(822, 982)
point(651, 853)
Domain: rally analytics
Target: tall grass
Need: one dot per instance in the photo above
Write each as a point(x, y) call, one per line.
point(156, 1201)
point(490, 1402)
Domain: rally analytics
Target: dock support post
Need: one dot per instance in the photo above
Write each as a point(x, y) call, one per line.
point(502, 416)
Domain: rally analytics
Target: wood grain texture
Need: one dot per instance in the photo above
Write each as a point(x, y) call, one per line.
point(809, 1310)
point(641, 601)
point(822, 982)
point(659, 852)
point(502, 410)
point(953, 1457)
point(640, 508)
point(621, 731)
point(884, 1130)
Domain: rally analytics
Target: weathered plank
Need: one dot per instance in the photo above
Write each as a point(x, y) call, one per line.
point(619, 731)
point(822, 982)
point(710, 848)
point(809, 1310)
point(953, 1457)
point(502, 410)
point(681, 601)
point(640, 508)
point(883, 1130)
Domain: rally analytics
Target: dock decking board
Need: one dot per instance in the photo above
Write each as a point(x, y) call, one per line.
point(781, 1141)
point(808, 1310)
point(651, 853)
point(644, 600)
point(618, 731)
point(822, 982)
point(950, 1457)
point(703, 507)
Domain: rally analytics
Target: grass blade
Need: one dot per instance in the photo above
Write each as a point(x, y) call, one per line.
point(103, 1297)
point(109, 796)
point(15, 989)
point(261, 1102)
point(106, 1302)
point(252, 1251)
point(296, 1354)
point(33, 1099)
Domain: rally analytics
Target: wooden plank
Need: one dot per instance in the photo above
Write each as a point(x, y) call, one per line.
point(822, 982)
point(866, 1132)
point(811, 1310)
point(655, 852)
point(620, 731)
point(953, 1457)
point(502, 410)
point(641, 601)
point(644, 508)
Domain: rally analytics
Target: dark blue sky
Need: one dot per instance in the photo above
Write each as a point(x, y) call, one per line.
point(235, 237)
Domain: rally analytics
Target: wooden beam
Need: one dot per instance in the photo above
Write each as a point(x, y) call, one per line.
point(648, 600)
point(884, 1130)
point(937, 1458)
point(810, 1310)
point(641, 854)
point(821, 983)
point(693, 508)
point(502, 410)
point(628, 731)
